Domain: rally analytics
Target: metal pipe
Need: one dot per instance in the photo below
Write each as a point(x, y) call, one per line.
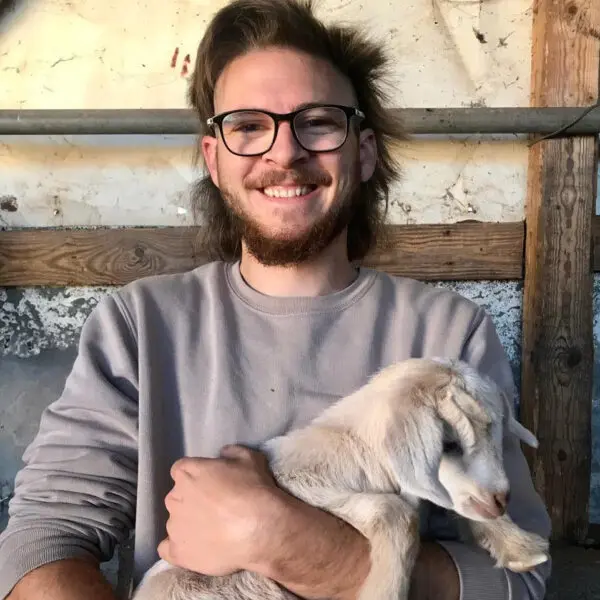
point(418, 121)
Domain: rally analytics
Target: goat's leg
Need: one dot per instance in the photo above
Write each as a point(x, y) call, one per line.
point(391, 524)
point(511, 546)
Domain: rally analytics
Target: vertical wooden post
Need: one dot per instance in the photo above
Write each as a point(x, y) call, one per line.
point(557, 358)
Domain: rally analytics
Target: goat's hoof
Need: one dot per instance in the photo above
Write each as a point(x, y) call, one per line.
point(521, 566)
point(524, 552)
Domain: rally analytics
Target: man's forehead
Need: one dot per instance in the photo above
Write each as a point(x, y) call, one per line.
point(280, 80)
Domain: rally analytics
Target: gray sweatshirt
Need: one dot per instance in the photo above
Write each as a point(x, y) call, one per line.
point(180, 365)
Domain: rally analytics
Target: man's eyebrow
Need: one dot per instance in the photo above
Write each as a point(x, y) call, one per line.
point(303, 105)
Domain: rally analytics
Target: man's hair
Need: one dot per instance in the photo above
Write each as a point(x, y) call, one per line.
point(246, 25)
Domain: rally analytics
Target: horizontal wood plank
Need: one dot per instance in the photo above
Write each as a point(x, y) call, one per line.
point(117, 256)
point(460, 251)
point(94, 257)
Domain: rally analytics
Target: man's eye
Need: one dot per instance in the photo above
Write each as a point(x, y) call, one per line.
point(452, 448)
point(248, 127)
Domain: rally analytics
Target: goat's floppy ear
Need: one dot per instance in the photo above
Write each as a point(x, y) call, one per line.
point(515, 427)
point(414, 447)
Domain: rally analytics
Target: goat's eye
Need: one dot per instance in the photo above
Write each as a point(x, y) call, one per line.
point(452, 448)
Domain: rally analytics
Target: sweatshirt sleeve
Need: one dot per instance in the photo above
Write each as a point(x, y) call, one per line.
point(480, 579)
point(75, 495)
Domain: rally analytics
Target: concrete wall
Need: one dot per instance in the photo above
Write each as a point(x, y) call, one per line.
point(85, 54)
point(62, 54)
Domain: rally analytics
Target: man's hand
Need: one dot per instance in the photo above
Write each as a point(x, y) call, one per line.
point(228, 514)
point(220, 512)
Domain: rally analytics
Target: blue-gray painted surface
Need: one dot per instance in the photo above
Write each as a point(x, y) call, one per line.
point(27, 386)
point(39, 330)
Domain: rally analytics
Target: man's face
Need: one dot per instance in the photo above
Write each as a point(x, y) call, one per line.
point(291, 203)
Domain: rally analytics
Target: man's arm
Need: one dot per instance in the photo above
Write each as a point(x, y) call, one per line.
point(227, 514)
point(297, 562)
point(70, 579)
point(75, 496)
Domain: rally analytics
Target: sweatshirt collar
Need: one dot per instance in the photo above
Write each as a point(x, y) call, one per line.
point(296, 305)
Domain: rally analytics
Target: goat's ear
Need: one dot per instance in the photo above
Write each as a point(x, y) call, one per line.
point(522, 432)
point(515, 427)
point(414, 446)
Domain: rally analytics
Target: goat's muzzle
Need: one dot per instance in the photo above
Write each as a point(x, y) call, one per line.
point(494, 507)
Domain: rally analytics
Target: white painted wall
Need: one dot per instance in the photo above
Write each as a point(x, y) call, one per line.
point(85, 54)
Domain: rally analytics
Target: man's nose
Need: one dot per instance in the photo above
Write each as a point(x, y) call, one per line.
point(285, 150)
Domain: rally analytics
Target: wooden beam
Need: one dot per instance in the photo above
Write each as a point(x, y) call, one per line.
point(65, 257)
point(557, 366)
point(469, 250)
point(95, 257)
point(103, 256)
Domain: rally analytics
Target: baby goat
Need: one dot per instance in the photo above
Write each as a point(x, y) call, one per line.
point(420, 429)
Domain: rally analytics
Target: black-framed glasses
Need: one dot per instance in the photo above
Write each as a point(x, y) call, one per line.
point(317, 128)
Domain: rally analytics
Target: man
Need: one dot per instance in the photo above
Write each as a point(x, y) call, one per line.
point(299, 151)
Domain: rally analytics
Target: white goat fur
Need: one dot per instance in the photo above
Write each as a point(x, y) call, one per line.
point(371, 458)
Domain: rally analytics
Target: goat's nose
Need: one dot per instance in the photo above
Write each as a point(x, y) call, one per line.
point(501, 500)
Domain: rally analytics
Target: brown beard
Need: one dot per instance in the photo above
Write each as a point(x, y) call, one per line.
point(294, 249)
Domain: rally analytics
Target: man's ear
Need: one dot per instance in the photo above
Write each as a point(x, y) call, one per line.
point(368, 154)
point(209, 153)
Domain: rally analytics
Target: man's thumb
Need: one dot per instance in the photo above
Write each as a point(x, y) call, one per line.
point(164, 550)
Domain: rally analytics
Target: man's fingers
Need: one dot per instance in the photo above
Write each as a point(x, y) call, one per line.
point(164, 550)
point(185, 466)
point(178, 467)
point(243, 454)
point(234, 451)
point(171, 499)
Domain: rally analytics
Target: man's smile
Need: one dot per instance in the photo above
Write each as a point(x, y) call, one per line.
point(288, 191)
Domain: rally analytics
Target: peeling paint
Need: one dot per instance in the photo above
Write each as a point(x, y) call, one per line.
point(449, 180)
point(34, 319)
point(97, 180)
point(8, 203)
point(503, 302)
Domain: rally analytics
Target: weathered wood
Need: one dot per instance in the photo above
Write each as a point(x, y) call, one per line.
point(469, 250)
point(57, 257)
point(65, 257)
point(557, 364)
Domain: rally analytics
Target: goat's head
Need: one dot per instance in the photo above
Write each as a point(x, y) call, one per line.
point(449, 422)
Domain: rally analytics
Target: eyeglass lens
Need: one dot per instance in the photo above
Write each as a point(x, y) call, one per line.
point(318, 129)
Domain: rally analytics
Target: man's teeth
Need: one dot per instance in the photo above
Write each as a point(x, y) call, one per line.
point(287, 192)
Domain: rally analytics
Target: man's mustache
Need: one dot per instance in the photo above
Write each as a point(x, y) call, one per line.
point(295, 177)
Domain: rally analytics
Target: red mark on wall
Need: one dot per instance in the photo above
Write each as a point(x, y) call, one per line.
point(186, 61)
point(174, 58)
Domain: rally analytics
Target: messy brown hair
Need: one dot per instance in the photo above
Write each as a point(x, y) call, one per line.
point(246, 25)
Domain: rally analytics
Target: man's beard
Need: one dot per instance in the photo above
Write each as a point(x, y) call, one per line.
point(294, 249)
